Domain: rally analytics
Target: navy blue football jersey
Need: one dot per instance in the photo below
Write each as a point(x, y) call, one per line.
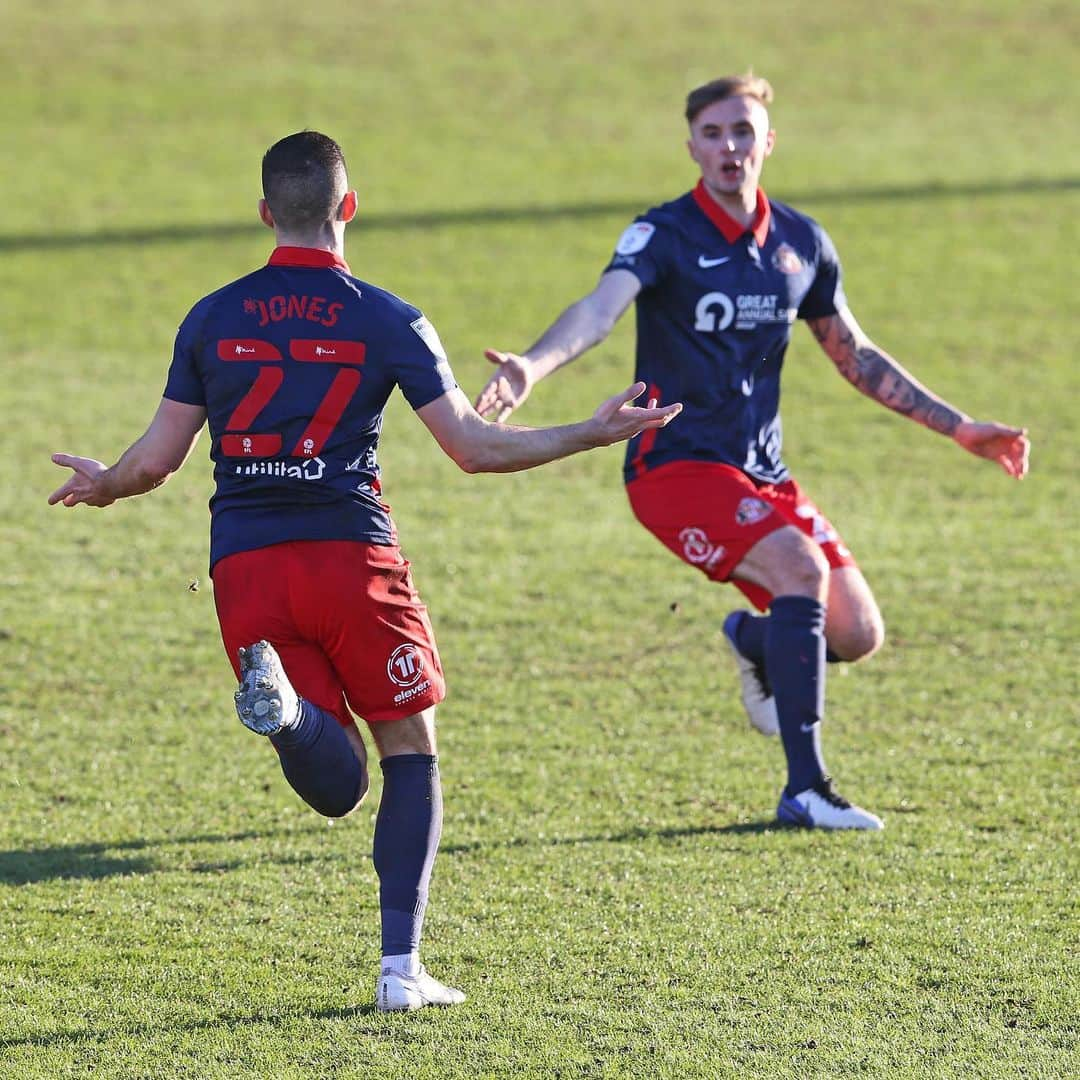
point(713, 323)
point(294, 364)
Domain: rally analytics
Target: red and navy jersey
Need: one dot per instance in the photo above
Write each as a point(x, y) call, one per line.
point(713, 323)
point(294, 364)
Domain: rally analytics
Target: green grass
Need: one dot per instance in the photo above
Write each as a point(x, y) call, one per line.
point(611, 892)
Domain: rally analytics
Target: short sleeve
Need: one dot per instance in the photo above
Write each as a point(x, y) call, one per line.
point(642, 249)
point(421, 367)
point(184, 384)
point(826, 293)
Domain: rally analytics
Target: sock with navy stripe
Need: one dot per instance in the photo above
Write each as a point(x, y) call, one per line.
point(750, 636)
point(319, 762)
point(407, 832)
point(795, 662)
point(750, 639)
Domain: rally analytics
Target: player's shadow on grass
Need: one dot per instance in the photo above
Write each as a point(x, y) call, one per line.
point(25, 866)
point(497, 215)
point(628, 836)
point(231, 1021)
point(92, 862)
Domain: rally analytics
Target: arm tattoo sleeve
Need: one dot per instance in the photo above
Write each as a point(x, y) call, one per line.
point(880, 377)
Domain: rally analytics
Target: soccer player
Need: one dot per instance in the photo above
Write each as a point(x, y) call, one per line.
point(292, 367)
point(718, 276)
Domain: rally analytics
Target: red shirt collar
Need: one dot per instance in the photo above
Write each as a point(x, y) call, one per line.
point(316, 258)
point(732, 229)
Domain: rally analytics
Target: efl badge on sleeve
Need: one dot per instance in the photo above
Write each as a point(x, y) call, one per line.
point(635, 238)
point(429, 336)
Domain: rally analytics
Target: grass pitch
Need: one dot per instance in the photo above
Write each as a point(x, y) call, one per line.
point(611, 893)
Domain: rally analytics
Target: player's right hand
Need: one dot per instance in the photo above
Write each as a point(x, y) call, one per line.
point(82, 486)
point(617, 420)
point(508, 388)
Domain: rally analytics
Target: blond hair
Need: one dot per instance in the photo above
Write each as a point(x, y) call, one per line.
point(748, 85)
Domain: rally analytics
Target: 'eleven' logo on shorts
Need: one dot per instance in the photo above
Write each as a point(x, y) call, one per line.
point(405, 666)
point(699, 549)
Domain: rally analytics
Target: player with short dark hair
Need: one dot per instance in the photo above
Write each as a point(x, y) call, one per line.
point(292, 367)
point(718, 276)
point(304, 180)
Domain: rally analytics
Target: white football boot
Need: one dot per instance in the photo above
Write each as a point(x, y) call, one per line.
point(266, 701)
point(395, 992)
point(757, 697)
point(819, 807)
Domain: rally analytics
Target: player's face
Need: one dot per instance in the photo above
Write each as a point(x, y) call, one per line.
point(730, 141)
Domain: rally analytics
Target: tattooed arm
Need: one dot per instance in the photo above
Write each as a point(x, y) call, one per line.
point(879, 376)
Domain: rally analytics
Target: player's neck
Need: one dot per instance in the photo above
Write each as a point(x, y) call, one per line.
point(739, 205)
point(326, 239)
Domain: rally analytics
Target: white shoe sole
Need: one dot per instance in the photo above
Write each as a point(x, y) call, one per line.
point(808, 810)
point(261, 699)
point(401, 993)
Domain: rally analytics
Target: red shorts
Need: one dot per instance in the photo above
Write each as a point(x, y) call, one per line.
point(345, 619)
point(711, 515)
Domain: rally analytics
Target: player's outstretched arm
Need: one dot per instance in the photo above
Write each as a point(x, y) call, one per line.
point(145, 465)
point(480, 446)
point(879, 376)
point(581, 326)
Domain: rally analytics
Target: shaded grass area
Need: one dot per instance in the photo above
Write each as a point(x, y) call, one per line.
point(530, 215)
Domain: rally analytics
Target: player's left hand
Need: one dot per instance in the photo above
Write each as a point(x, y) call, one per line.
point(83, 486)
point(1008, 446)
point(508, 388)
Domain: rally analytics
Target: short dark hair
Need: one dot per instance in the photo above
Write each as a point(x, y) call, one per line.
point(748, 85)
point(304, 180)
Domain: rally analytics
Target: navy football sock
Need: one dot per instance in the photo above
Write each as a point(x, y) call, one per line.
point(407, 832)
point(795, 661)
point(750, 639)
point(319, 762)
point(750, 636)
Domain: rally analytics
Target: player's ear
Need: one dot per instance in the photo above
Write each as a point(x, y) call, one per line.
point(770, 141)
point(347, 210)
point(264, 214)
point(690, 148)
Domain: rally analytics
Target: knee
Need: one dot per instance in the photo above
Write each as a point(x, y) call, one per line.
point(413, 734)
point(804, 573)
point(339, 804)
point(787, 563)
point(860, 640)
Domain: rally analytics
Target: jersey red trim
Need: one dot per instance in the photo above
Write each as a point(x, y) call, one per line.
point(325, 351)
point(247, 349)
point(251, 445)
point(727, 225)
point(313, 258)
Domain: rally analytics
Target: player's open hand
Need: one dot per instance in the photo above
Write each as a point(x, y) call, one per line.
point(508, 388)
point(82, 486)
point(617, 419)
point(1008, 446)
